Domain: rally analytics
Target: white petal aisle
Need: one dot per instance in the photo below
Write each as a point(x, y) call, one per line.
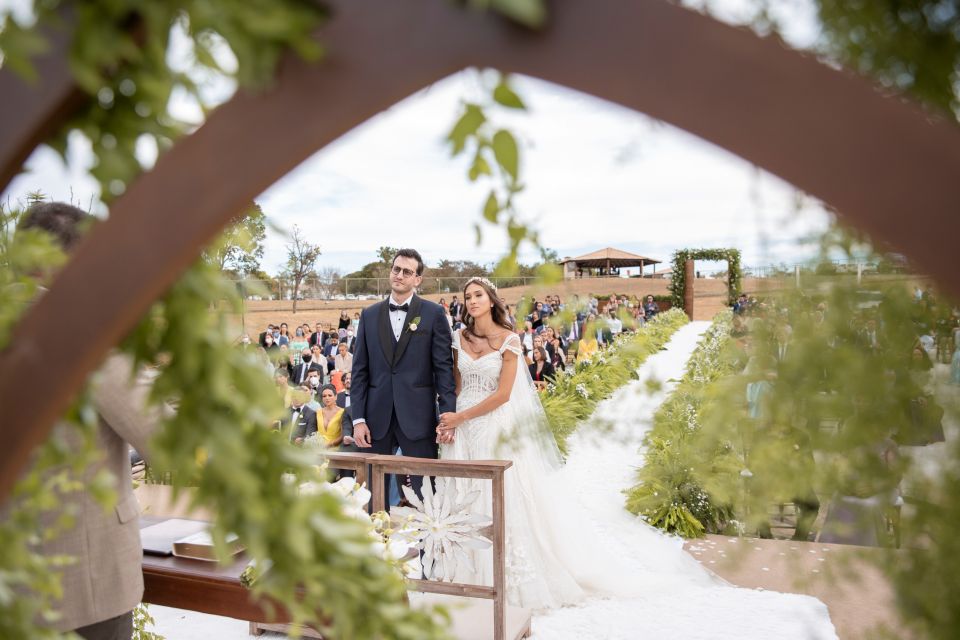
point(678, 599)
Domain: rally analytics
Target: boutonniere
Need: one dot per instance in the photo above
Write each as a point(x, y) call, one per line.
point(413, 325)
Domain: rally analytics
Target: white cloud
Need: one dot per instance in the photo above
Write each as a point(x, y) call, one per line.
point(596, 174)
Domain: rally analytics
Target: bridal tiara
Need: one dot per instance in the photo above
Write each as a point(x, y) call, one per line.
point(481, 280)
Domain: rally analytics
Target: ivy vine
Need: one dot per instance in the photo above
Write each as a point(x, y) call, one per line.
point(678, 281)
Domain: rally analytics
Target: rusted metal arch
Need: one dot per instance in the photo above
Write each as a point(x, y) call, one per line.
point(881, 161)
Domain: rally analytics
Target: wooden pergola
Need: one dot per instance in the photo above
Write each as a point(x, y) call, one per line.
point(886, 164)
point(606, 260)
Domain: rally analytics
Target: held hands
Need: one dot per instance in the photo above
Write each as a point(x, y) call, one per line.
point(448, 423)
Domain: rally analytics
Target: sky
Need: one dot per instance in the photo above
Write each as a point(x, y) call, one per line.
point(596, 175)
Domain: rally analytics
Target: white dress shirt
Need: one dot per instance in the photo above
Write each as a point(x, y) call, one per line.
point(397, 318)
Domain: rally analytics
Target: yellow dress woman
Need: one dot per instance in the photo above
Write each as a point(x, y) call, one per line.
point(330, 417)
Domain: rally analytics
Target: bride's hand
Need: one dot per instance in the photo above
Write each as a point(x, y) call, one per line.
point(450, 420)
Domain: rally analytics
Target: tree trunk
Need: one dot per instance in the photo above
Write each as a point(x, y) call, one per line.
point(296, 293)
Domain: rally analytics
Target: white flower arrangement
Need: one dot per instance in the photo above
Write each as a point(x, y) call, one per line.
point(443, 526)
point(582, 391)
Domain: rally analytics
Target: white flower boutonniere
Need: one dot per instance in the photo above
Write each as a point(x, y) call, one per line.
point(415, 324)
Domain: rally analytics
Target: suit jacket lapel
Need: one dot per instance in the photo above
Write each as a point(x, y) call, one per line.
point(387, 341)
point(405, 334)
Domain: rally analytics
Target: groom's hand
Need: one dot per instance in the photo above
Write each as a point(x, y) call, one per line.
point(361, 435)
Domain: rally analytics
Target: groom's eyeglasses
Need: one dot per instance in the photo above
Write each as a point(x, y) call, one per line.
point(407, 273)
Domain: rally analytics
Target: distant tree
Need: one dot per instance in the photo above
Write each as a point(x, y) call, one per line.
point(386, 255)
point(302, 258)
point(239, 249)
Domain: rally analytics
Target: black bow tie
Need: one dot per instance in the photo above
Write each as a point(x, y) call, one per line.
point(400, 307)
point(296, 409)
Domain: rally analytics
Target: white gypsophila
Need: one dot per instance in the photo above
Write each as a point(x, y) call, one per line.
point(443, 526)
point(582, 391)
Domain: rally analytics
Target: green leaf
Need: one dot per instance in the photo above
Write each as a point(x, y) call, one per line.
point(505, 151)
point(531, 13)
point(491, 208)
point(466, 126)
point(478, 233)
point(504, 95)
point(480, 168)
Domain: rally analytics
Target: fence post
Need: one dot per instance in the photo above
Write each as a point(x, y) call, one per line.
point(796, 271)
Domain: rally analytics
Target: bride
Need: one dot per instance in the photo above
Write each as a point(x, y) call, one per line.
point(499, 416)
point(559, 550)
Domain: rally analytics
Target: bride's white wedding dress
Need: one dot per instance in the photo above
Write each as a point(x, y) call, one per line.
point(536, 571)
point(555, 555)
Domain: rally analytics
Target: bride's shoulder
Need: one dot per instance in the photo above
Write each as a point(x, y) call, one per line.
point(510, 341)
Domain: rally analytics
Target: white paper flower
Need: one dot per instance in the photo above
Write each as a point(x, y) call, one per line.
point(443, 527)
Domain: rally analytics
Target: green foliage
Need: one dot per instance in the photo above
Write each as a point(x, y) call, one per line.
point(679, 278)
point(34, 513)
point(239, 249)
point(575, 393)
point(912, 45)
point(141, 620)
point(118, 56)
point(670, 493)
point(492, 147)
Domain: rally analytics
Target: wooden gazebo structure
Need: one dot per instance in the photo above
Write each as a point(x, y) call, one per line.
point(609, 261)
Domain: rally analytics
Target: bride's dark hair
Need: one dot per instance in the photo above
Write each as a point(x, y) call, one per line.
point(499, 311)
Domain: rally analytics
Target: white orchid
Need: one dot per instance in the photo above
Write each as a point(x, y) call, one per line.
point(443, 527)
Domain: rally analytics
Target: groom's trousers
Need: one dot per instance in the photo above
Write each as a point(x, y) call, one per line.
point(395, 439)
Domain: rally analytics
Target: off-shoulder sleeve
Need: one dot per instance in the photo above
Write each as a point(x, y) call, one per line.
point(512, 344)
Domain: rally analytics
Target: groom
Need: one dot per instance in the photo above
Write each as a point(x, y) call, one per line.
point(402, 367)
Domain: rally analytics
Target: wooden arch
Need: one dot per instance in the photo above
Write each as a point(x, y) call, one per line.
point(888, 166)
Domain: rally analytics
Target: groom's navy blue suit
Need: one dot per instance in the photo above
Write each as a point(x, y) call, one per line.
point(398, 384)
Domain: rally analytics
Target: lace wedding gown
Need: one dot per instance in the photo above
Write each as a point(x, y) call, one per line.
point(537, 572)
point(560, 552)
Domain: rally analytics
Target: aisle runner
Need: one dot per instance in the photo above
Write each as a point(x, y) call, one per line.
point(673, 596)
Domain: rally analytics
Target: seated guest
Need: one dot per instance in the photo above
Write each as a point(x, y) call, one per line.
point(282, 379)
point(313, 383)
point(284, 338)
point(343, 360)
point(556, 349)
point(587, 346)
point(650, 308)
point(330, 417)
point(541, 370)
point(526, 336)
point(330, 352)
point(319, 337)
point(264, 334)
point(298, 344)
point(536, 322)
point(299, 372)
point(343, 398)
point(302, 419)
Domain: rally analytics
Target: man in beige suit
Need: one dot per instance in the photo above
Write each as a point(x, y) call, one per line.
point(105, 583)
